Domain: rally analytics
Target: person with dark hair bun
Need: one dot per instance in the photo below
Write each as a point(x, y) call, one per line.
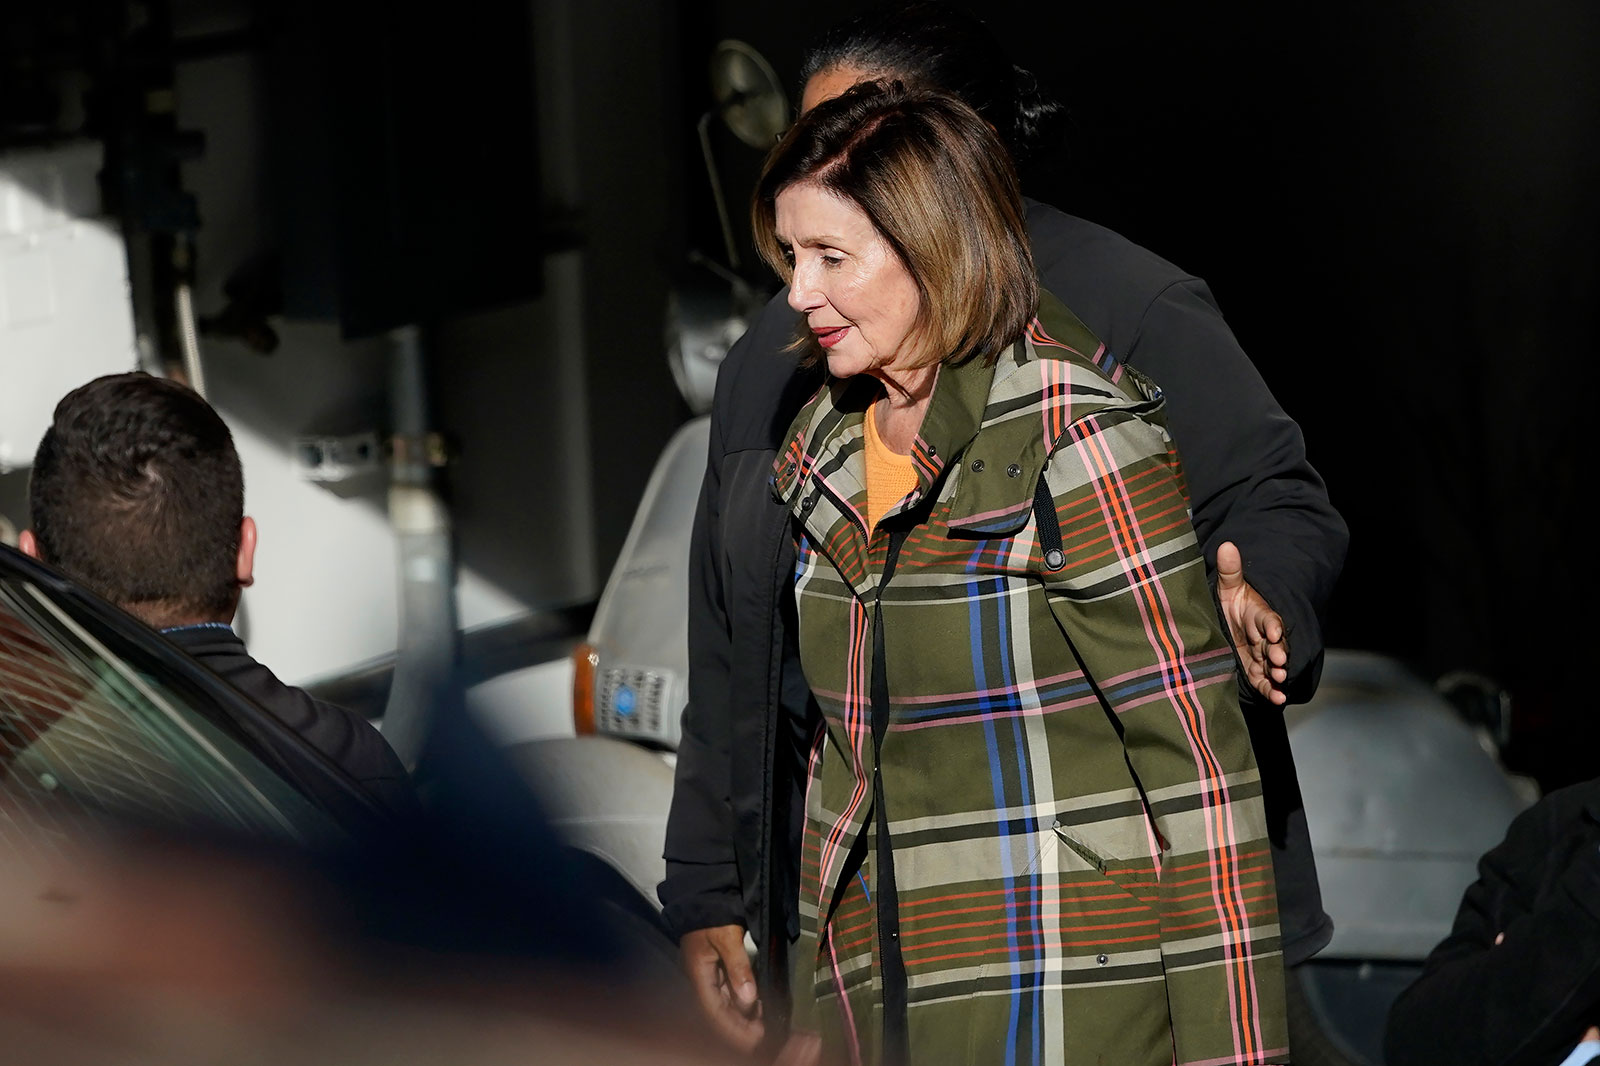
point(1272, 542)
point(937, 46)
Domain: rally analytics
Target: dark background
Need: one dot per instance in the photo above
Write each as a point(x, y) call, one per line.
point(1395, 205)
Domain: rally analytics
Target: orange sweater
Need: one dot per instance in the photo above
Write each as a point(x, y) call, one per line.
point(889, 474)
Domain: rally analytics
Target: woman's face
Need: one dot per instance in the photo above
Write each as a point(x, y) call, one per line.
point(860, 301)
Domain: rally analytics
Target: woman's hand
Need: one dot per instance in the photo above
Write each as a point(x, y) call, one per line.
point(1255, 628)
point(718, 968)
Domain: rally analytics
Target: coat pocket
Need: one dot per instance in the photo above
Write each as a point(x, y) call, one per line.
point(1135, 876)
point(1077, 967)
point(1080, 847)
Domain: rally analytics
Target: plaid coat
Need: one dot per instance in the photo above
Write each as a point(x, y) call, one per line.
point(1080, 865)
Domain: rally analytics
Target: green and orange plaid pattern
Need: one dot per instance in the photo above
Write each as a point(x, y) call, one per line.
point(1080, 853)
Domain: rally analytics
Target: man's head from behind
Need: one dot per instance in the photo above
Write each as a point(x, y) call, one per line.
point(137, 494)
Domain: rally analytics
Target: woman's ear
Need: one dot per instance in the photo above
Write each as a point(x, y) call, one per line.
point(246, 563)
point(28, 545)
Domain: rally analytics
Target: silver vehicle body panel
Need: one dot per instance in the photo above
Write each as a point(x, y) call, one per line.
point(640, 632)
point(1401, 797)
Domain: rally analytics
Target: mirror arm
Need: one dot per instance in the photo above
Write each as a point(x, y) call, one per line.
point(704, 126)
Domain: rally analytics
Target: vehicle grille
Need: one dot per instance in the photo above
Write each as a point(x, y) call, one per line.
point(629, 702)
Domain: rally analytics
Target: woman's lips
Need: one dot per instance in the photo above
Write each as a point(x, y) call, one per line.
point(831, 336)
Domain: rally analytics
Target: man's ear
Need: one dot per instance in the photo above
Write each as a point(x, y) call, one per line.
point(28, 544)
point(246, 572)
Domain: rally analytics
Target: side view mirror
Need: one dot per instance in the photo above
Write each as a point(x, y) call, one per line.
point(750, 101)
point(711, 307)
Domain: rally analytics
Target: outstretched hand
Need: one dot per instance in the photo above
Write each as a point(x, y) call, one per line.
point(1255, 628)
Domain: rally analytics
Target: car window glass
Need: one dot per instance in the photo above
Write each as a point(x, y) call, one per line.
point(84, 736)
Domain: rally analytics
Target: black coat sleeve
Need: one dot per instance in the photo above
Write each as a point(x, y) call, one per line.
point(1527, 1000)
point(1245, 463)
point(702, 883)
point(342, 736)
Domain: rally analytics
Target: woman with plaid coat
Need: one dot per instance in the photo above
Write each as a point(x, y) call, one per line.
point(1033, 825)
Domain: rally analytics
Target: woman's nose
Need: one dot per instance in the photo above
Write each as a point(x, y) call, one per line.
point(803, 295)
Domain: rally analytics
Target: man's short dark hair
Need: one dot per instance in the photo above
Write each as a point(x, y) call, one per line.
point(137, 494)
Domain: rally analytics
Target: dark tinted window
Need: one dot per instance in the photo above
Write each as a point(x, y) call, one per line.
point(86, 736)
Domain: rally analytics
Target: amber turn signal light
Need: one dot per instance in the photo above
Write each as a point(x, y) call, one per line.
point(584, 661)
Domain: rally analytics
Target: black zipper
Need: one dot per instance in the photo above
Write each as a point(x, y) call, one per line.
point(896, 1036)
point(772, 962)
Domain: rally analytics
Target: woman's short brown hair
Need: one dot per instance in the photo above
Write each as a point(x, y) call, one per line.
point(939, 187)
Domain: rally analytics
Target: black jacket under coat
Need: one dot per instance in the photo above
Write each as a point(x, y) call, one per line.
point(740, 763)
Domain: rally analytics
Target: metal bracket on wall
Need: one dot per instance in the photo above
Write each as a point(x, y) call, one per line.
point(335, 459)
point(329, 459)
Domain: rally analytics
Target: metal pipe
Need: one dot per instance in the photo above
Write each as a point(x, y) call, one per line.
point(425, 652)
point(188, 336)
